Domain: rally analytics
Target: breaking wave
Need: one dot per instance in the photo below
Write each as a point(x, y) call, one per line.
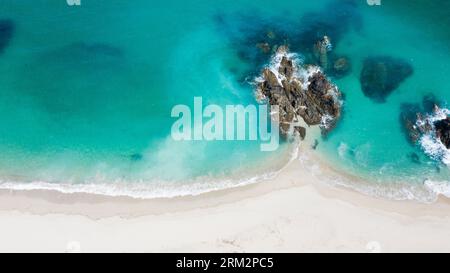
point(430, 143)
point(150, 189)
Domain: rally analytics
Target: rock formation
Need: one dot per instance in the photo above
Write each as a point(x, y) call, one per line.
point(420, 120)
point(321, 49)
point(443, 131)
point(381, 75)
point(300, 92)
point(429, 130)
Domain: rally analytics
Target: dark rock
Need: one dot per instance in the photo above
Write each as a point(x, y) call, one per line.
point(286, 67)
point(6, 33)
point(382, 75)
point(443, 131)
point(314, 99)
point(301, 131)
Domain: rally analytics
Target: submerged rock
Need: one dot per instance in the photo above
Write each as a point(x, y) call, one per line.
point(264, 47)
point(6, 33)
point(301, 92)
point(334, 20)
point(414, 158)
point(315, 145)
point(136, 157)
point(341, 67)
point(321, 49)
point(255, 36)
point(381, 75)
point(332, 64)
point(408, 118)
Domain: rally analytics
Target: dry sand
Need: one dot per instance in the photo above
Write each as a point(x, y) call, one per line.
point(293, 212)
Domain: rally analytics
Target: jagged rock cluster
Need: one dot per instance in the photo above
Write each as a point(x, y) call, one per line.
point(300, 92)
point(419, 123)
point(332, 64)
point(443, 131)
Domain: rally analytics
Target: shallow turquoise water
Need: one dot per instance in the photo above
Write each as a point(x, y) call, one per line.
point(86, 90)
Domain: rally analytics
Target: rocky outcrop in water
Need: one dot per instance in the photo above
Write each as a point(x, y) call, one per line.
point(381, 75)
point(300, 92)
point(428, 129)
point(416, 118)
point(332, 64)
point(443, 131)
point(6, 33)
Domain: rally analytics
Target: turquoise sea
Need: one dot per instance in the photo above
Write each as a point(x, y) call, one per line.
point(86, 91)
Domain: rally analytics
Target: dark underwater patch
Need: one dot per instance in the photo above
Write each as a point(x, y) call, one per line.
point(136, 157)
point(381, 75)
point(6, 33)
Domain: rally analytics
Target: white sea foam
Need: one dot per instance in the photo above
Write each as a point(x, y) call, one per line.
point(148, 189)
point(326, 121)
point(139, 190)
point(438, 187)
point(398, 191)
point(144, 190)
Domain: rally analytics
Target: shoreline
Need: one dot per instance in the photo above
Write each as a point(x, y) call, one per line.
point(98, 205)
point(292, 212)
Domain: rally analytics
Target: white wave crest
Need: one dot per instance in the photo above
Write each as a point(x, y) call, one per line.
point(438, 187)
point(429, 142)
point(151, 189)
point(142, 190)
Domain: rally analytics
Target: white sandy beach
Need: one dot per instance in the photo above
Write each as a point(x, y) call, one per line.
point(294, 212)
